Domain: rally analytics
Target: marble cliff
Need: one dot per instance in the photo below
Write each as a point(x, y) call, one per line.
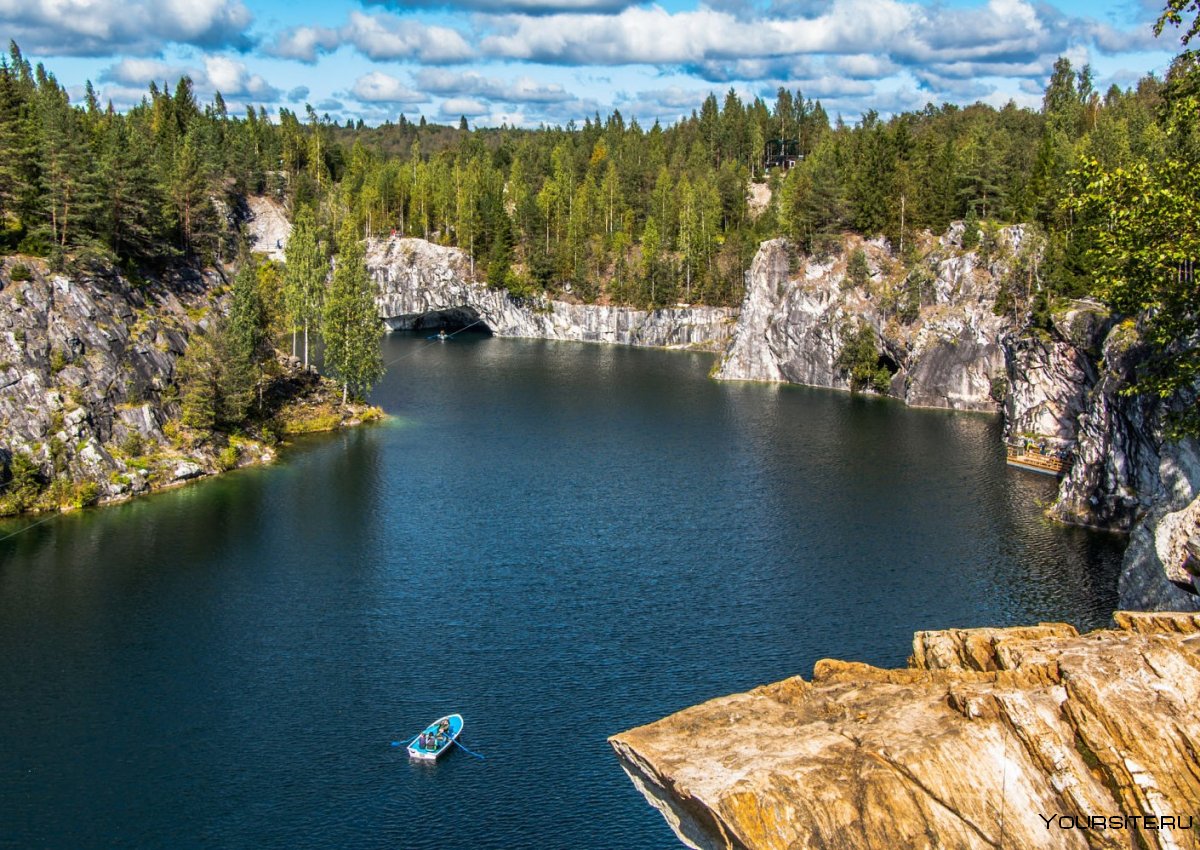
point(421, 282)
point(950, 347)
point(1015, 738)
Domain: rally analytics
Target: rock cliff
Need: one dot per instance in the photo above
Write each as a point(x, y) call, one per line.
point(88, 394)
point(422, 284)
point(1015, 738)
point(86, 371)
point(943, 349)
point(1059, 384)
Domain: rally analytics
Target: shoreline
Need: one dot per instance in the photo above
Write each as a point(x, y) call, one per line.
point(311, 413)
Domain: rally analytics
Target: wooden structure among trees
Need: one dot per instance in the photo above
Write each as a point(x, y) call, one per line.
point(781, 153)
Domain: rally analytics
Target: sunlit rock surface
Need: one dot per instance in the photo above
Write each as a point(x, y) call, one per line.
point(425, 285)
point(947, 352)
point(986, 735)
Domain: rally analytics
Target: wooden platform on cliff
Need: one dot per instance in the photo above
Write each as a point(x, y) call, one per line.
point(1035, 460)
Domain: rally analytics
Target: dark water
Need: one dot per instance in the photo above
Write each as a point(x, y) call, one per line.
point(558, 541)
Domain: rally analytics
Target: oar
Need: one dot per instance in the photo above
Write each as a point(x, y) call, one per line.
point(409, 744)
point(463, 747)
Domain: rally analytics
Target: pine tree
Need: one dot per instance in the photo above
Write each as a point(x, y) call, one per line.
point(248, 347)
point(304, 277)
point(350, 323)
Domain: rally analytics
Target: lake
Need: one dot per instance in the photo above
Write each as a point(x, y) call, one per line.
point(559, 541)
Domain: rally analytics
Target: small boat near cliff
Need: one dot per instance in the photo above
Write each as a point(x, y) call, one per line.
point(438, 737)
point(1036, 458)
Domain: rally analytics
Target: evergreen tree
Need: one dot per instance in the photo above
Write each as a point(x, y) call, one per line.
point(350, 325)
point(306, 268)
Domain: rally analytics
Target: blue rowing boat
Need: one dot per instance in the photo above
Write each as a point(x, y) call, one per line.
point(438, 737)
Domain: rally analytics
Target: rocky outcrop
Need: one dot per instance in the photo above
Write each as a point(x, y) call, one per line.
point(423, 285)
point(86, 371)
point(89, 407)
point(1131, 474)
point(943, 350)
point(267, 226)
point(1030, 737)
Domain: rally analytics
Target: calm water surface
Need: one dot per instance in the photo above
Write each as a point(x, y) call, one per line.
point(559, 541)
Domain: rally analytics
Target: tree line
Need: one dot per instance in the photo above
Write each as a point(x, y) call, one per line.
point(611, 211)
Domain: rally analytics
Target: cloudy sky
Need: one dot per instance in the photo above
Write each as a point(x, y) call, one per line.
point(526, 62)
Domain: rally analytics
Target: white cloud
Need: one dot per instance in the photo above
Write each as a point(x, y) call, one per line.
point(139, 27)
point(524, 7)
point(140, 72)
point(656, 36)
point(378, 87)
point(863, 39)
point(220, 73)
point(521, 90)
point(378, 37)
point(233, 79)
point(455, 106)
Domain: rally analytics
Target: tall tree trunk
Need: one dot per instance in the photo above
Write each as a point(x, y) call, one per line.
point(306, 343)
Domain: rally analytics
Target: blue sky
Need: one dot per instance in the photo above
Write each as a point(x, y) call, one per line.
point(527, 62)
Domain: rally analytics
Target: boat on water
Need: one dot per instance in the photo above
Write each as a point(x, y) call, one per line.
point(1037, 458)
point(438, 737)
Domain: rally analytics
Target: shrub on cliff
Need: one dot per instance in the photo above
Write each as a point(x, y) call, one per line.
point(860, 360)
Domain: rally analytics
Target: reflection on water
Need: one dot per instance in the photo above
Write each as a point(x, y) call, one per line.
point(558, 541)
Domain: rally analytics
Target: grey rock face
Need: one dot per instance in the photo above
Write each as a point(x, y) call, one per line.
point(1061, 385)
point(421, 282)
point(792, 325)
point(84, 363)
point(1129, 475)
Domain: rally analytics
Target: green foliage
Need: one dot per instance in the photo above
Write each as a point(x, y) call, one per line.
point(859, 359)
point(20, 272)
point(350, 324)
point(86, 493)
point(304, 276)
point(971, 232)
point(858, 273)
point(228, 457)
point(221, 370)
point(20, 491)
point(1144, 227)
point(133, 445)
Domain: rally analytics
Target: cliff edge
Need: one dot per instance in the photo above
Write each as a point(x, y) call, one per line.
point(1015, 738)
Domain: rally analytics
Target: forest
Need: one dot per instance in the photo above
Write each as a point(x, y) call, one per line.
point(614, 212)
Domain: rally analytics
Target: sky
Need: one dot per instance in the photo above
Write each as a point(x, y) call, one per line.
point(532, 62)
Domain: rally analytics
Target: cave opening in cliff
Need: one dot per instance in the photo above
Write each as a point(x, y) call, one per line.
point(452, 320)
point(886, 361)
